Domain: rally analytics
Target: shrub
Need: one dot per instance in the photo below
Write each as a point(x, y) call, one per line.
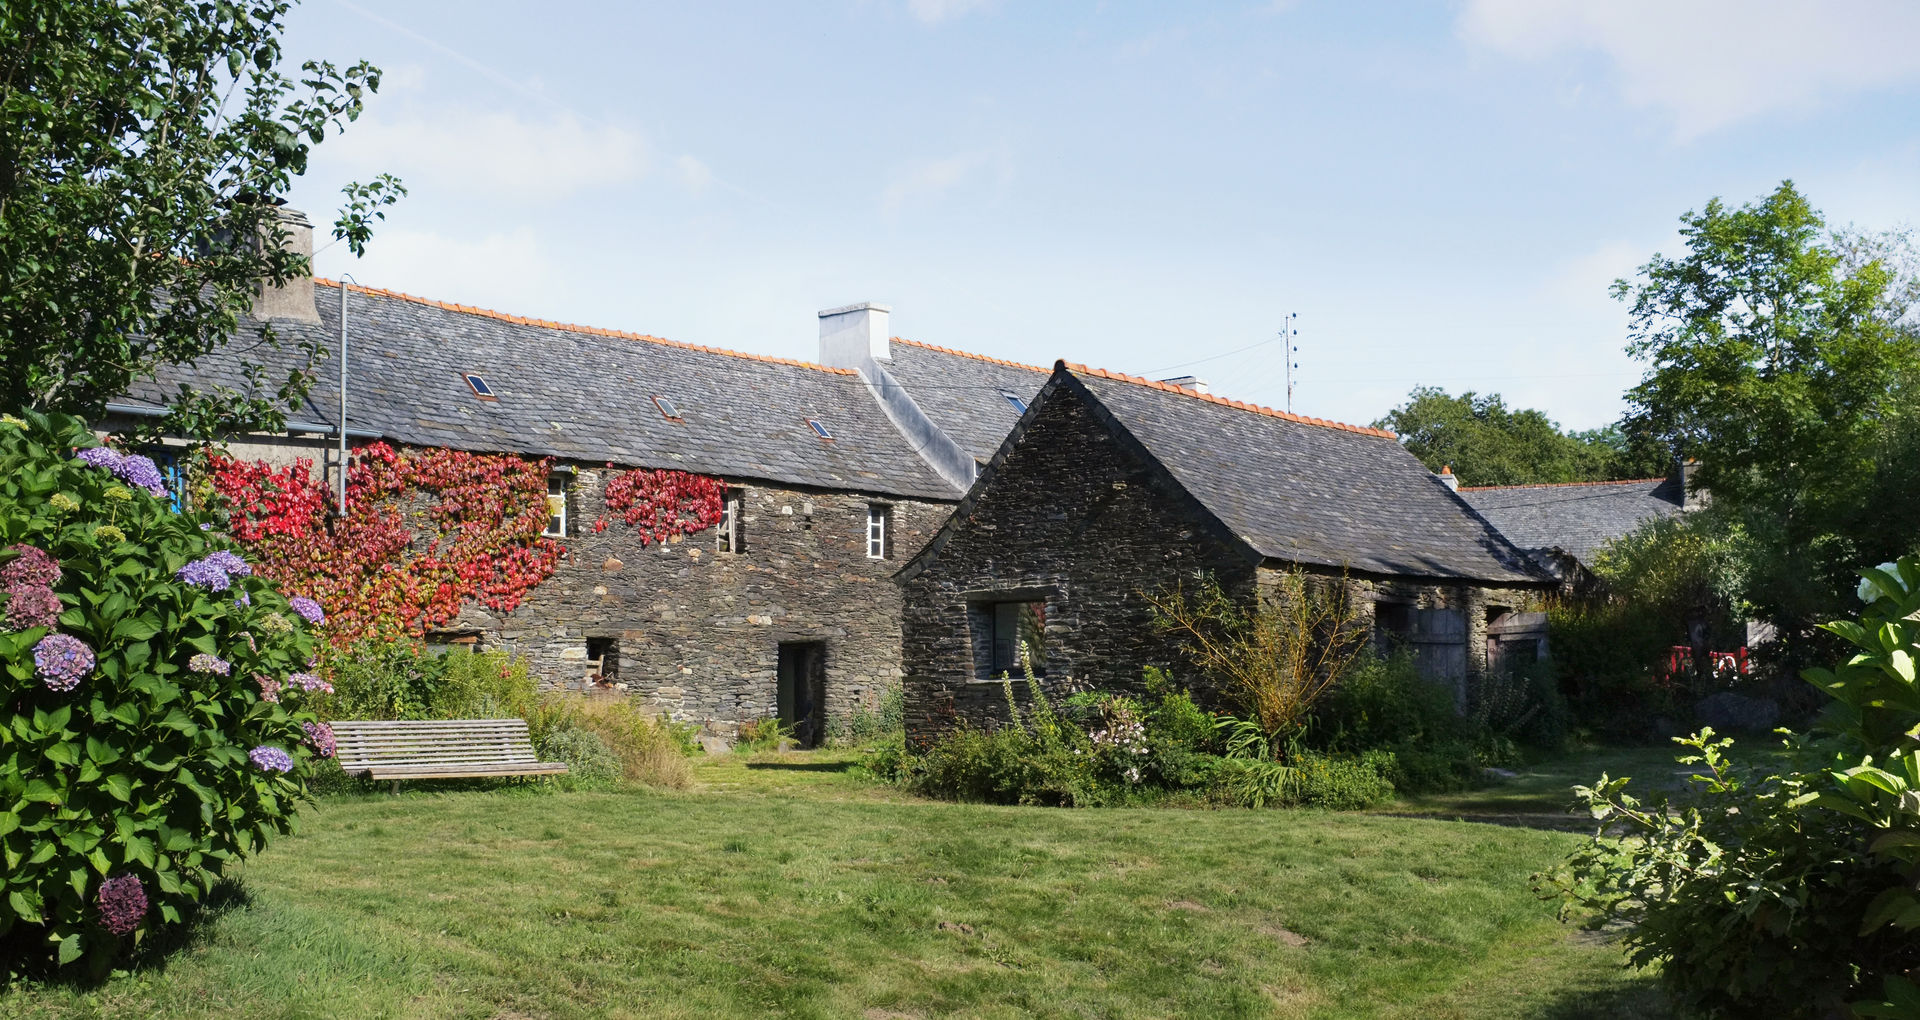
point(400, 680)
point(1385, 705)
point(482, 685)
point(1340, 783)
point(764, 734)
point(154, 693)
point(1787, 892)
point(652, 751)
point(590, 764)
point(886, 717)
point(1043, 759)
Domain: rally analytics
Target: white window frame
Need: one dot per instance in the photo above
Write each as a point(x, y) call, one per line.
point(877, 514)
point(556, 507)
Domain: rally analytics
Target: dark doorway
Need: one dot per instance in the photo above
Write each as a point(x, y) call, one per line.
point(803, 690)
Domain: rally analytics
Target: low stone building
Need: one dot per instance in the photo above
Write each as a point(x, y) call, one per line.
point(1112, 486)
point(832, 476)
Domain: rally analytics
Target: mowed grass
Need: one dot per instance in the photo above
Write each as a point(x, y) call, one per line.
point(784, 886)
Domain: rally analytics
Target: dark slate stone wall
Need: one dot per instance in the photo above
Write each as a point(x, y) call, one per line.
point(1075, 516)
point(699, 630)
point(1071, 518)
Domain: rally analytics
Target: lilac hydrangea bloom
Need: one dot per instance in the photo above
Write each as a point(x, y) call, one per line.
point(320, 738)
point(31, 605)
point(204, 663)
point(308, 609)
point(206, 575)
point(243, 600)
point(33, 566)
point(142, 471)
point(100, 457)
point(123, 902)
point(271, 759)
point(232, 564)
point(309, 682)
point(62, 661)
point(269, 688)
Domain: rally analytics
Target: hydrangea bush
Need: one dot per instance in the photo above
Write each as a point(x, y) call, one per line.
point(141, 751)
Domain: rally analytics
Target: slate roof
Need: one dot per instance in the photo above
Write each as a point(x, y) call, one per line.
point(581, 394)
point(964, 394)
point(1577, 518)
point(1305, 490)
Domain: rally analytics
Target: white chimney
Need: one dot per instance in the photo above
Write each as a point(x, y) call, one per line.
point(1448, 478)
point(1188, 382)
point(293, 299)
point(855, 336)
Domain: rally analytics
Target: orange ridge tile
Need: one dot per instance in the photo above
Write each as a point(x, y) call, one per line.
point(1237, 404)
point(1561, 485)
point(569, 327)
point(970, 354)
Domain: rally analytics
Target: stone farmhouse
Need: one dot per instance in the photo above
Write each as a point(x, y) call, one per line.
point(1111, 486)
point(833, 471)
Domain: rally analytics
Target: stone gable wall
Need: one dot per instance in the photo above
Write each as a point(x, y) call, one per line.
point(1077, 521)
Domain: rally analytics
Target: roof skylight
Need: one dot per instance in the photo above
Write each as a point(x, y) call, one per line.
point(1018, 404)
point(666, 407)
point(480, 387)
point(818, 428)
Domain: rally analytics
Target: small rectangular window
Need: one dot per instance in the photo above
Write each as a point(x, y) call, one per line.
point(480, 387)
point(667, 410)
point(731, 535)
point(1019, 632)
point(877, 537)
point(1018, 404)
point(556, 507)
point(603, 661)
point(818, 428)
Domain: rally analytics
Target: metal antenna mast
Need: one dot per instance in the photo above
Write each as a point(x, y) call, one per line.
point(1289, 349)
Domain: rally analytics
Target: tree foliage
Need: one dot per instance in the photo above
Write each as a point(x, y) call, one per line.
point(1487, 443)
point(144, 146)
point(1781, 356)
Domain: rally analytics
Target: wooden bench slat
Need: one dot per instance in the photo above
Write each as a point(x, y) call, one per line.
point(438, 749)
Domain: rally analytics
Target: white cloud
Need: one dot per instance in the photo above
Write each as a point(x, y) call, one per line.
point(509, 271)
point(1711, 63)
point(694, 174)
point(934, 11)
point(492, 152)
point(934, 179)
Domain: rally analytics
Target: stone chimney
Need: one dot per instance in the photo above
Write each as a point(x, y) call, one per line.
point(1448, 478)
point(1188, 382)
point(1691, 497)
point(855, 336)
point(293, 299)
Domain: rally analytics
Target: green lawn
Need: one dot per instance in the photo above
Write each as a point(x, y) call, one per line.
point(784, 886)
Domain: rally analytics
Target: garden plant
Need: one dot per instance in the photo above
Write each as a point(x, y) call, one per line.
point(156, 692)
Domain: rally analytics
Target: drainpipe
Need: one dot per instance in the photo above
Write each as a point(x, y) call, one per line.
point(341, 503)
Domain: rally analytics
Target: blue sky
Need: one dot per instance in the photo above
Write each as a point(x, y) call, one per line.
point(1442, 192)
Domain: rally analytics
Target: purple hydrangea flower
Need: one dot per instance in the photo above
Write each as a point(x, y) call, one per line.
point(271, 759)
point(308, 609)
point(269, 688)
point(123, 903)
point(204, 663)
point(243, 600)
point(100, 457)
point(232, 564)
point(137, 470)
point(63, 661)
point(309, 682)
point(320, 738)
point(32, 605)
point(206, 575)
point(32, 566)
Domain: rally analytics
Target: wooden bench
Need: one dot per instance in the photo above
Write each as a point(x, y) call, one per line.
point(438, 749)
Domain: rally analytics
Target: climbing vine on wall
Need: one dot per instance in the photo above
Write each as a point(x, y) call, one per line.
point(428, 531)
point(661, 504)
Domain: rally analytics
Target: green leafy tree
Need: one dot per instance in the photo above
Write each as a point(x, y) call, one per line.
point(1780, 355)
point(144, 148)
point(1487, 443)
